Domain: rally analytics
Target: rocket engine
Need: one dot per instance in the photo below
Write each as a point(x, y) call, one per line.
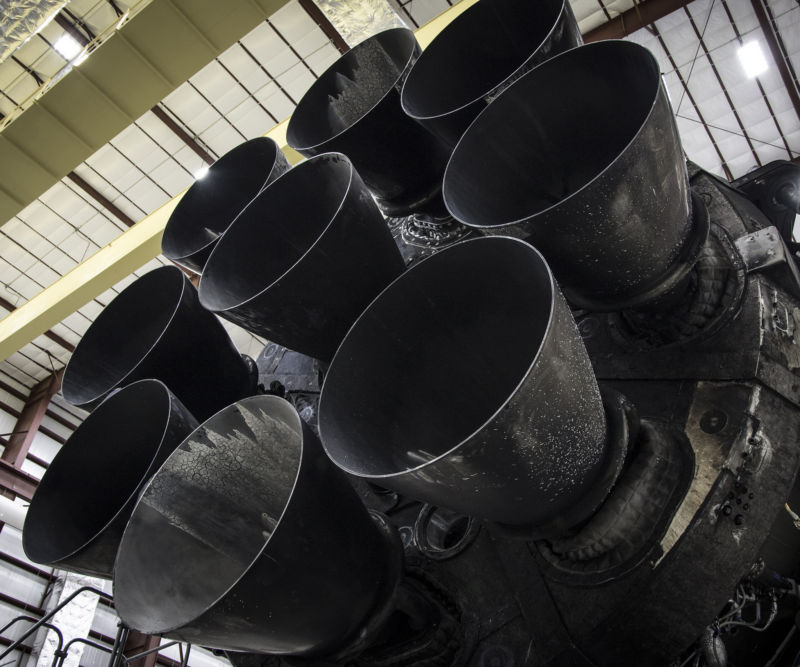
point(532, 395)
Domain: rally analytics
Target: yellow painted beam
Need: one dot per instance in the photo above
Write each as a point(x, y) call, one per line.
point(92, 277)
point(427, 32)
point(133, 248)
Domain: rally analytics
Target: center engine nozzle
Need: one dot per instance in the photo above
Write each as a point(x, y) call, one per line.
point(466, 384)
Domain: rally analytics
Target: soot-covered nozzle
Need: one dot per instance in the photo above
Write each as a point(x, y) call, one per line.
point(156, 328)
point(466, 384)
point(81, 506)
point(249, 539)
point(582, 158)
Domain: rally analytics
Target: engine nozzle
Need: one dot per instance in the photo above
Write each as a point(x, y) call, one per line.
point(83, 502)
point(208, 207)
point(466, 384)
point(156, 328)
point(248, 539)
point(582, 158)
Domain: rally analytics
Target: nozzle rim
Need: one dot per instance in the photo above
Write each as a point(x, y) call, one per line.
point(493, 108)
point(54, 469)
point(455, 24)
point(294, 173)
point(311, 148)
point(67, 389)
point(553, 290)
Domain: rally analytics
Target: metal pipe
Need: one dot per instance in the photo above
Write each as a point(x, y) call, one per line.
point(297, 268)
point(156, 328)
point(466, 384)
point(354, 108)
point(44, 620)
point(60, 656)
point(12, 513)
point(478, 55)
point(31, 619)
point(83, 502)
point(283, 558)
point(592, 173)
point(120, 640)
point(211, 204)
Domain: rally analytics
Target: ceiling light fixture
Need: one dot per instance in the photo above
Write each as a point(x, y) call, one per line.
point(752, 58)
point(67, 46)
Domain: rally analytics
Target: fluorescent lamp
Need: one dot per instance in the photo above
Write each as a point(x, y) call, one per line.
point(200, 173)
point(67, 46)
point(752, 58)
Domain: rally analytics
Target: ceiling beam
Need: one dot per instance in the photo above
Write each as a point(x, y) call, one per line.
point(133, 248)
point(30, 420)
point(318, 16)
point(101, 199)
point(17, 482)
point(777, 53)
point(641, 15)
point(150, 55)
point(182, 134)
point(52, 335)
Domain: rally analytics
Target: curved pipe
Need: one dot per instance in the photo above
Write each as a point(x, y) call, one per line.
point(354, 108)
point(590, 171)
point(303, 259)
point(478, 55)
point(156, 328)
point(465, 384)
point(211, 204)
point(83, 502)
point(284, 558)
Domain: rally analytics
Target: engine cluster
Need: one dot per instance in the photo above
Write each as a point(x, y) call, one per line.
point(531, 396)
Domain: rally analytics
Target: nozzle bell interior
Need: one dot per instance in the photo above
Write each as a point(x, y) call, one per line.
point(466, 384)
point(83, 502)
point(209, 206)
point(283, 558)
point(592, 173)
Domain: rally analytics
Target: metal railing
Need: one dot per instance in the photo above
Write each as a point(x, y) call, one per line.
point(117, 657)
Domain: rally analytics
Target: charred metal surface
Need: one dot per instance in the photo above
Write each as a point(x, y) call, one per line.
point(156, 328)
point(523, 438)
point(586, 200)
point(81, 506)
point(521, 488)
point(775, 189)
point(247, 573)
point(766, 251)
point(420, 236)
point(293, 376)
point(298, 269)
point(354, 107)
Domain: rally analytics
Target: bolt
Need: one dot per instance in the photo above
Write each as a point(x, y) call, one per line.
point(746, 506)
point(727, 510)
